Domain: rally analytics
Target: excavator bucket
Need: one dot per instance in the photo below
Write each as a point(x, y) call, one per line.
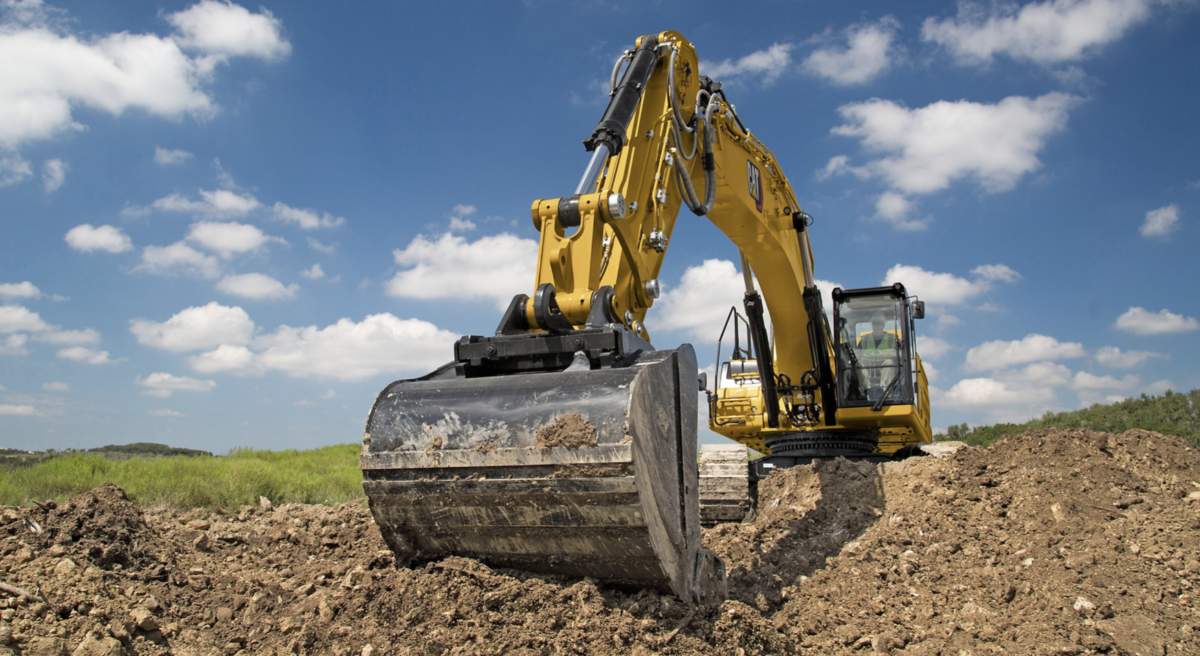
point(588, 473)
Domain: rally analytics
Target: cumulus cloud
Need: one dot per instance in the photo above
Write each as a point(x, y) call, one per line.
point(229, 239)
point(45, 72)
point(13, 169)
point(56, 336)
point(24, 289)
point(221, 204)
point(490, 268)
point(1139, 321)
point(56, 387)
point(947, 288)
point(988, 392)
point(924, 150)
point(166, 157)
point(1160, 222)
point(314, 272)
point(458, 218)
point(1051, 32)
point(178, 258)
point(18, 318)
point(163, 385)
point(86, 355)
point(54, 174)
point(305, 219)
point(1031, 348)
point(1089, 382)
point(868, 52)
point(223, 30)
point(166, 413)
point(196, 328)
point(328, 249)
point(13, 345)
point(767, 64)
point(346, 350)
point(1112, 357)
point(18, 410)
point(932, 348)
point(87, 238)
point(257, 286)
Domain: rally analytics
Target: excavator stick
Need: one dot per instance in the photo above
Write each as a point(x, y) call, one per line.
point(582, 473)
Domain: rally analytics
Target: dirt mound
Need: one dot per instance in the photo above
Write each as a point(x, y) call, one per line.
point(1051, 542)
point(570, 430)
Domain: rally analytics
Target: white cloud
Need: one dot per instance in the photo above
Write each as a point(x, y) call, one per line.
point(924, 150)
point(13, 345)
point(699, 305)
point(163, 385)
point(999, 272)
point(1085, 381)
point(947, 288)
point(1141, 322)
point(86, 355)
point(1049, 32)
point(18, 318)
point(257, 286)
point(346, 350)
point(932, 348)
point(458, 218)
point(495, 267)
point(229, 239)
point(1161, 222)
point(329, 249)
point(24, 289)
point(18, 410)
point(894, 208)
point(56, 387)
point(13, 169)
point(87, 238)
point(306, 219)
point(178, 258)
point(166, 157)
point(315, 272)
point(1033, 347)
point(329, 394)
point(216, 204)
point(54, 174)
point(1112, 357)
point(45, 73)
point(85, 336)
point(987, 392)
point(866, 55)
point(768, 64)
point(166, 413)
point(223, 30)
point(1037, 374)
point(196, 328)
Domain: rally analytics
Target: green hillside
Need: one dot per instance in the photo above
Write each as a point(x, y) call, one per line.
point(1170, 414)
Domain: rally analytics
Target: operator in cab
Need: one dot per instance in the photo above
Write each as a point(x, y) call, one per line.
point(878, 351)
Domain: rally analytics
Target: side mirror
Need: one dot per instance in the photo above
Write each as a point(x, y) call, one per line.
point(703, 380)
point(918, 309)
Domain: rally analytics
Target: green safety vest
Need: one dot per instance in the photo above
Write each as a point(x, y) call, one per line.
point(867, 342)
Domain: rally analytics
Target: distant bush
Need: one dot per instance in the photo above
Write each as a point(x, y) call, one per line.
point(1170, 414)
point(328, 475)
point(147, 449)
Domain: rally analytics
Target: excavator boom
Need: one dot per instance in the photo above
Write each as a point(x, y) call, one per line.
point(565, 443)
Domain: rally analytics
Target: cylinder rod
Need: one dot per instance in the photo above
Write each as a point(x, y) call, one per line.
point(592, 172)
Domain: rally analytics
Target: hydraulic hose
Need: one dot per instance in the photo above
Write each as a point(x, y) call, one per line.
point(710, 176)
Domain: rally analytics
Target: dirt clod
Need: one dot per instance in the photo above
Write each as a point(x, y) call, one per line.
point(1020, 548)
point(570, 430)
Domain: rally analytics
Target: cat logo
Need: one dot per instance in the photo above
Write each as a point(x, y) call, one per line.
point(755, 179)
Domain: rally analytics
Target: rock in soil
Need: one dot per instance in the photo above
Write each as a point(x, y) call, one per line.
point(1054, 541)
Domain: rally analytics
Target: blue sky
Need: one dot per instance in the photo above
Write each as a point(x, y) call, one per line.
point(231, 225)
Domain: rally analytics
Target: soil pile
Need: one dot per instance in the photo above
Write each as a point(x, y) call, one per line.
point(570, 430)
point(1051, 542)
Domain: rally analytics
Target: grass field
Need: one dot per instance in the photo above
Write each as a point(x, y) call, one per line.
point(328, 475)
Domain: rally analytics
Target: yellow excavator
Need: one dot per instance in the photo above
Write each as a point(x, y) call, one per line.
point(566, 443)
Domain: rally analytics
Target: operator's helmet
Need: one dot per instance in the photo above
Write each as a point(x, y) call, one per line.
point(878, 318)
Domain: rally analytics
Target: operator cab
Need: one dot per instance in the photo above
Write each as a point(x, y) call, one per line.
point(874, 346)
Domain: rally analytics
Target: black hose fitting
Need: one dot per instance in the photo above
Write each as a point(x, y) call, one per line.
point(610, 131)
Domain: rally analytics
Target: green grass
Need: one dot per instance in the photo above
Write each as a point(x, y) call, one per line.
point(328, 475)
point(1170, 414)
